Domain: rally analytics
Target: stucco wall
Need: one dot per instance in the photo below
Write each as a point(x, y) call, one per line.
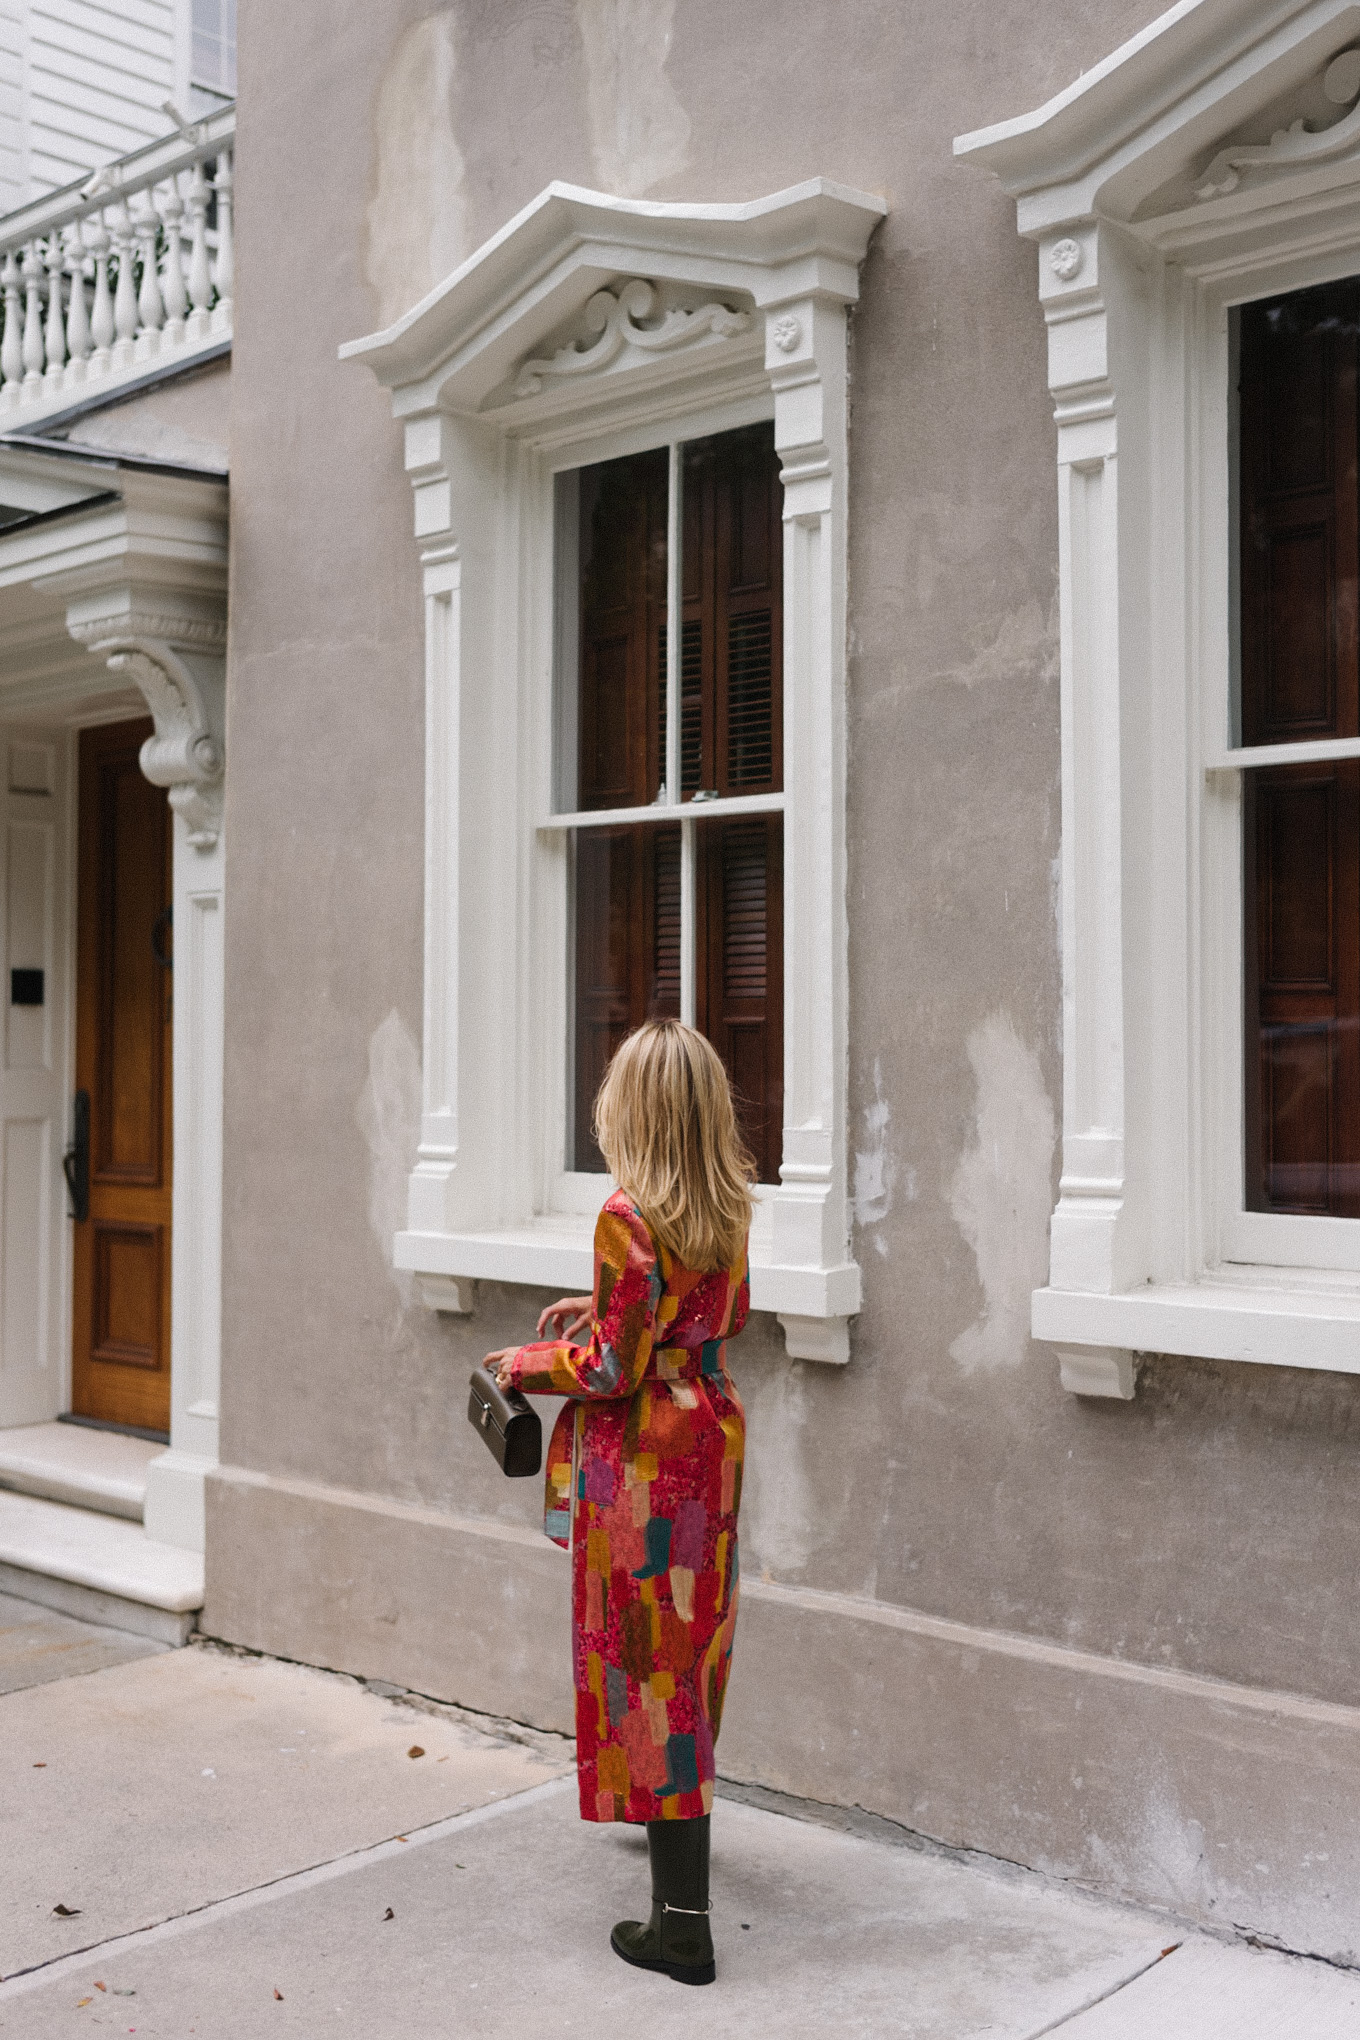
point(1204, 1529)
point(186, 420)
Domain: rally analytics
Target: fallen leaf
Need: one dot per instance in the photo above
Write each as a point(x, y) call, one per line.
point(1168, 1951)
point(389, 1914)
point(123, 1993)
point(403, 1838)
point(415, 1750)
point(101, 1986)
point(83, 2001)
point(40, 1767)
point(66, 1912)
point(279, 1995)
point(441, 1760)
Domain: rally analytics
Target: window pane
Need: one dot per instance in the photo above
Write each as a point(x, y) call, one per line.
point(740, 989)
point(627, 952)
point(212, 58)
point(623, 630)
point(1300, 576)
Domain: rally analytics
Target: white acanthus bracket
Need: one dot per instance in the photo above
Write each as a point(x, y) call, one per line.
point(183, 690)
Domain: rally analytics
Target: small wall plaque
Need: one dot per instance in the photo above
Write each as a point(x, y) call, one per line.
point(25, 988)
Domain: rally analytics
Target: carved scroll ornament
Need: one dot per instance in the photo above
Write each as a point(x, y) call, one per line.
point(613, 323)
point(184, 755)
point(1296, 146)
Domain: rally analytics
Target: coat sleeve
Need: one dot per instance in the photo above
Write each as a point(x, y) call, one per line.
point(629, 1283)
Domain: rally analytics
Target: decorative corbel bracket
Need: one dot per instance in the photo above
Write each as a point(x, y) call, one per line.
point(186, 753)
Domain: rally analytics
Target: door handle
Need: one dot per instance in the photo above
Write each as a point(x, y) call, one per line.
point(75, 1163)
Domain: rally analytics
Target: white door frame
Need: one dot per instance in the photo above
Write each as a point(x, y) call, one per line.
point(139, 578)
point(178, 666)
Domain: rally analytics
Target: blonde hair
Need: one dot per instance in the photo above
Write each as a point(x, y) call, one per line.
point(667, 1129)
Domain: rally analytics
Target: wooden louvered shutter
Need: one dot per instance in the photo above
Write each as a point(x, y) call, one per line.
point(1300, 663)
point(625, 877)
point(733, 589)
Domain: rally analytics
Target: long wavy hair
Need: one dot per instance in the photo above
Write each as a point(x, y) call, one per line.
point(666, 1126)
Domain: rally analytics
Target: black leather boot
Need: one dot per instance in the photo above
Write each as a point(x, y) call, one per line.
point(677, 1938)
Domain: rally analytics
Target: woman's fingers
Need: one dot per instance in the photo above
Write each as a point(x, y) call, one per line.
point(565, 1318)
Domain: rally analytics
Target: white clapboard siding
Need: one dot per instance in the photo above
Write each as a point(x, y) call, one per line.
point(13, 190)
point(86, 82)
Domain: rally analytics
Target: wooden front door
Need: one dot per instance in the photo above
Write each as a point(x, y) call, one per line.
point(121, 1316)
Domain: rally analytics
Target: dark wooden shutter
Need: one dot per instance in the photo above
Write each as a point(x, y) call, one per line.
point(733, 584)
point(741, 981)
point(1300, 662)
point(620, 947)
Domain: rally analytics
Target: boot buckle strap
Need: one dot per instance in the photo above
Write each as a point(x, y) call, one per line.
point(690, 1911)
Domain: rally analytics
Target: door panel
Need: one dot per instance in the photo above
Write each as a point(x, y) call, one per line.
point(121, 1318)
point(34, 892)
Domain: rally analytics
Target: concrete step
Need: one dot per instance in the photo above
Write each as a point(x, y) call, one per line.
point(98, 1568)
point(100, 1470)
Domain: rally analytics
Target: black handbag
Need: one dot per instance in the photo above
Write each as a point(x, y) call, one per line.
point(512, 1431)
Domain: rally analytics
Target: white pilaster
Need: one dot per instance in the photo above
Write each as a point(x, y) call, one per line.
point(805, 358)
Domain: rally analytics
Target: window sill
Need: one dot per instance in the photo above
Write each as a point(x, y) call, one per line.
point(814, 1304)
point(1271, 1317)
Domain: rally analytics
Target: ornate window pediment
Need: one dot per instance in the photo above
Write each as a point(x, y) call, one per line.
point(1214, 114)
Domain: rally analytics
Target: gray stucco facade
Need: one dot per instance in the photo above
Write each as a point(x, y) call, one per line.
point(1114, 1640)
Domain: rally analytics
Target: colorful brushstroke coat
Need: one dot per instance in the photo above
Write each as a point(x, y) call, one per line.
point(656, 1434)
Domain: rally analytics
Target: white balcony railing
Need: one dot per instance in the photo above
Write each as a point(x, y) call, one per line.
point(111, 280)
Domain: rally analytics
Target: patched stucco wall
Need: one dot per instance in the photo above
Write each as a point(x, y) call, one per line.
point(1205, 1528)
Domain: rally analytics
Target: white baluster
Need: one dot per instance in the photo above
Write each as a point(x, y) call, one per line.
point(56, 312)
point(101, 320)
point(77, 315)
point(125, 295)
point(224, 273)
point(33, 333)
point(150, 310)
point(200, 276)
point(12, 346)
point(173, 294)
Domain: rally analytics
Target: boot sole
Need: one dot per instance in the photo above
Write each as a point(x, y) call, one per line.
point(678, 1972)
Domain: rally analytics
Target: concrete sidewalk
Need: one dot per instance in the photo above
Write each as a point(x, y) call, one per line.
point(247, 1848)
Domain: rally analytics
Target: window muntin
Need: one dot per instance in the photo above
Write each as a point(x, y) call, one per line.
point(1299, 574)
point(678, 549)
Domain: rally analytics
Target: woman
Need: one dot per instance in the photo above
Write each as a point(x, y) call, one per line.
point(655, 1434)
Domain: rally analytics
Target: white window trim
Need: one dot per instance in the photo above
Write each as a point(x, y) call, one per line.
point(1151, 1249)
point(487, 426)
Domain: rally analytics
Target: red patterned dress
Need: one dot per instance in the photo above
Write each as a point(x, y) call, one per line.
point(656, 1435)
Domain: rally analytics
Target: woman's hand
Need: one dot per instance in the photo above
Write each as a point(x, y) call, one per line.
point(568, 1316)
point(498, 1365)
